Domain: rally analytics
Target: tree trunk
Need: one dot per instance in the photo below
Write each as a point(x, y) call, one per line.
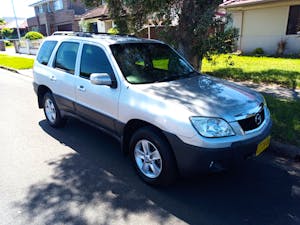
point(196, 62)
point(185, 32)
point(194, 59)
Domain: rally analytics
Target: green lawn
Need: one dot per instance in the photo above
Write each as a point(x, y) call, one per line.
point(15, 62)
point(286, 119)
point(283, 71)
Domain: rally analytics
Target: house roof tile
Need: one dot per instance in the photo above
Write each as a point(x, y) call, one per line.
point(101, 12)
point(236, 3)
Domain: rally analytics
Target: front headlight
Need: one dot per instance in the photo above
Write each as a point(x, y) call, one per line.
point(212, 127)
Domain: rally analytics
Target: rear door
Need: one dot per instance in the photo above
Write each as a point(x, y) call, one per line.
point(62, 75)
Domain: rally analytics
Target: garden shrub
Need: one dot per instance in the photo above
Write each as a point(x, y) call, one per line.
point(8, 43)
point(113, 30)
point(33, 35)
point(258, 51)
point(6, 32)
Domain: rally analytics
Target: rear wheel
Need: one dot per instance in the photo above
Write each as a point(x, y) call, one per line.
point(52, 112)
point(152, 157)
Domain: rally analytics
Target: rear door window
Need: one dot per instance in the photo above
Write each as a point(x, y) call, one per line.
point(45, 52)
point(65, 58)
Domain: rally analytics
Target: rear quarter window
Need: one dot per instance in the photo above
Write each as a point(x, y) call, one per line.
point(65, 58)
point(46, 51)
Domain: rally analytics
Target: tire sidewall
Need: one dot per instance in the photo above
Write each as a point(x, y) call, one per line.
point(58, 119)
point(169, 171)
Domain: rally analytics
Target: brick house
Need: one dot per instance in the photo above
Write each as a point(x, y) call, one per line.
point(97, 19)
point(55, 15)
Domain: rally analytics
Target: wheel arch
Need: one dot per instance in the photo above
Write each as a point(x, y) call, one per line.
point(42, 90)
point(132, 126)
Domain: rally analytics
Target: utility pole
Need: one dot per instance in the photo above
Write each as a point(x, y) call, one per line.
point(18, 30)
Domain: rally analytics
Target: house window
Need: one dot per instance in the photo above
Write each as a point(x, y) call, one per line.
point(294, 20)
point(41, 9)
point(58, 5)
point(48, 7)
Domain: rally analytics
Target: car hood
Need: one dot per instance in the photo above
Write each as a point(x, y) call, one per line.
point(205, 96)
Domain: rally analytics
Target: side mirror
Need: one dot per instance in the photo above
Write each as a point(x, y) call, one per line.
point(102, 79)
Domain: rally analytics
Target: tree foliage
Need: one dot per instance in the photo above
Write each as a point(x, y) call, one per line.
point(6, 32)
point(92, 3)
point(2, 21)
point(85, 26)
point(196, 34)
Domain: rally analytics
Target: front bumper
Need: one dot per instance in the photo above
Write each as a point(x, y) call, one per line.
point(192, 159)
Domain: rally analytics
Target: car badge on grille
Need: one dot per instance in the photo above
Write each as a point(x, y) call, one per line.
point(258, 119)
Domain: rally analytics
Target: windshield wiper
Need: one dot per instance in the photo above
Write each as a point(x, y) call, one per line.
point(170, 78)
point(192, 73)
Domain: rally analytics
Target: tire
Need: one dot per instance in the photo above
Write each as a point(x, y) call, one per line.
point(152, 157)
point(52, 112)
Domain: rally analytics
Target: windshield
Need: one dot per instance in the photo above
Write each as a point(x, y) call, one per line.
point(143, 63)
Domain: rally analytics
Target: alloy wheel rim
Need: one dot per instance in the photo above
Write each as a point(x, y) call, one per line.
point(50, 110)
point(148, 158)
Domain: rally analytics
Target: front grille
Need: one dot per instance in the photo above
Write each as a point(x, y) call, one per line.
point(254, 121)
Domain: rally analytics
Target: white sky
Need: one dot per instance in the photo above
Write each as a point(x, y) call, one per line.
point(21, 7)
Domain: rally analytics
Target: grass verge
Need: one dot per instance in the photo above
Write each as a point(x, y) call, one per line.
point(286, 119)
point(282, 71)
point(15, 62)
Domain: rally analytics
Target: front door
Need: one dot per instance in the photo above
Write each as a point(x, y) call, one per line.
point(97, 103)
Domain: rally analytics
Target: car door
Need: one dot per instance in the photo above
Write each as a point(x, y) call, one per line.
point(97, 103)
point(62, 75)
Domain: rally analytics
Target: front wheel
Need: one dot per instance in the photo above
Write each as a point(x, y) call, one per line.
point(152, 157)
point(52, 112)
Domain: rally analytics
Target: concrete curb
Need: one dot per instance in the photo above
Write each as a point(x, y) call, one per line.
point(10, 69)
point(280, 149)
point(17, 71)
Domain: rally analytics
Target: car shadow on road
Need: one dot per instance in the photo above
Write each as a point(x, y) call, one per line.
point(97, 178)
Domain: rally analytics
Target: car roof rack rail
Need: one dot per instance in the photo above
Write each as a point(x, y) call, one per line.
point(120, 34)
point(90, 34)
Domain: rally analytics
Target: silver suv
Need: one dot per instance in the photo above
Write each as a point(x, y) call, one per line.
point(169, 118)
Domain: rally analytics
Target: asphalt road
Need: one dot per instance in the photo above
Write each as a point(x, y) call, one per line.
point(77, 175)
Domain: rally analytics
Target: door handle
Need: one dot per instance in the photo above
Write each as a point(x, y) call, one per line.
point(53, 78)
point(81, 88)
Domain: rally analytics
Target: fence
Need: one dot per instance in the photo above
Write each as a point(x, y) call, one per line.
point(27, 46)
point(2, 45)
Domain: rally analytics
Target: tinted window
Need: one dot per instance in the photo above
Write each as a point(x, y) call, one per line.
point(58, 5)
point(149, 63)
point(66, 57)
point(46, 51)
point(93, 60)
point(294, 20)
